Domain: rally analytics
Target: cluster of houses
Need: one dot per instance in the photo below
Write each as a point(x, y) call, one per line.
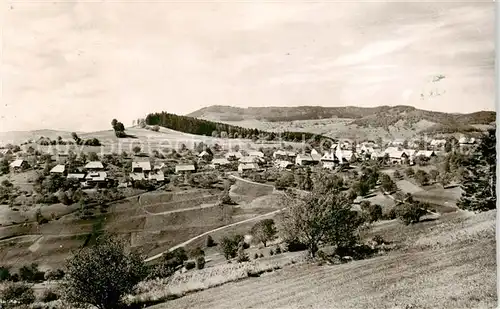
point(340, 154)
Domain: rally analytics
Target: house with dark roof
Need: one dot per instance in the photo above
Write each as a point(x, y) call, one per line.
point(18, 165)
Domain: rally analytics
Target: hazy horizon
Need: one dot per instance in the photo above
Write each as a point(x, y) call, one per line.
point(75, 66)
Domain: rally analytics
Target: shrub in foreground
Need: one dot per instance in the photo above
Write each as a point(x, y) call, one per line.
point(101, 275)
point(17, 293)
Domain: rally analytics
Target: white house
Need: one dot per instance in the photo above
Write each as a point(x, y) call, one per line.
point(58, 169)
point(141, 167)
point(397, 156)
point(184, 168)
point(246, 167)
point(328, 160)
point(306, 159)
point(96, 178)
point(254, 153)
point(219, 162)
point(283, 164)
point(204, 155)
point(94, 166)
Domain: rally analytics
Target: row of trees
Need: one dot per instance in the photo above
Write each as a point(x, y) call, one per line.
point(217, 129)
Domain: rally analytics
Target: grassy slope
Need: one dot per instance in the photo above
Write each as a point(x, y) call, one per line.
point(148, 140)
point(449, 263)
point(49, 244)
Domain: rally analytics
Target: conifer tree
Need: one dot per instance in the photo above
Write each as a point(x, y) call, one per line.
point(479, 179)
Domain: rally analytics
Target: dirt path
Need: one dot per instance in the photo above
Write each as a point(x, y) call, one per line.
point(212, 231)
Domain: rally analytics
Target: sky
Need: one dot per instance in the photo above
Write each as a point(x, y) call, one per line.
point(74, 66)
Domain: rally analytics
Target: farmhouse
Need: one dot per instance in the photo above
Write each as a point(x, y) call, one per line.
point(184, 168)
point(233, 156)
point(94, 166)
point(79, 176)
point(284, 155)
point(158, 167)
point(204, 155)
point(246, 167)
point(220, 162)
point(306, 159)
point(137, 176)
point(96, 178)
point(283, 164)
point(157, 176)
point(18, 165)
point(58, 169)
point(426, 153)
point(254, 153)
point(329, 160)
point(141, 167)
point(344, 156)
point(397, 156)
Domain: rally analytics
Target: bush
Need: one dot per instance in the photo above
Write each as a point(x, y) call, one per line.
point(410, 212)
point(278, 250)
point(31, 273)
point(4, 274)
point(210, 242)
point(422, 177)
point(101, 275)
point(261, 255)
point(295, 245)
point(409, 172)
point(264, 231)
point(15, 294)
point(229, 246)
point(56, 274)
point(242, 256)
point(189, 265)
point(48, 296)
point(256, 256)
point(200, 262)
point(271, 252)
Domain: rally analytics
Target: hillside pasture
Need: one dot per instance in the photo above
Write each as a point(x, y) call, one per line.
point(432, 269)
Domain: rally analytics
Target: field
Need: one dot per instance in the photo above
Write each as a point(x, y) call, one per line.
point(148, 140)
point(447, 263)
point(152, 222)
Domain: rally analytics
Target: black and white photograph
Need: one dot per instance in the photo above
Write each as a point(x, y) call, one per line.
point(169, 154)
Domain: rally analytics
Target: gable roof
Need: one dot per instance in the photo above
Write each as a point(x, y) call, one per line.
point(144, 165)
point(58, 169)
point(247, 166)
point(158, 176)
point(94, 164)
point(76, 175)
point(255, 153)
point(17, 163)
point(203, 154)
point(184, 167)
point(284, 164)
point(137, 176)
point(97, 176)
point(220, 161)
point(235, 154)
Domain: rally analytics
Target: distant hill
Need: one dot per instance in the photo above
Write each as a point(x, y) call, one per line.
point(351, 122)
point(17, 137)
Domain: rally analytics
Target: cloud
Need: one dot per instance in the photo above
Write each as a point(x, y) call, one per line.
point(371, 51)
point(77, 65)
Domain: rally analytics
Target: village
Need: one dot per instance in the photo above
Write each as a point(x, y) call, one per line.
point(96, 173)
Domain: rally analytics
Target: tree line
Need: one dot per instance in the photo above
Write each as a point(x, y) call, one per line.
point(216, 129)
